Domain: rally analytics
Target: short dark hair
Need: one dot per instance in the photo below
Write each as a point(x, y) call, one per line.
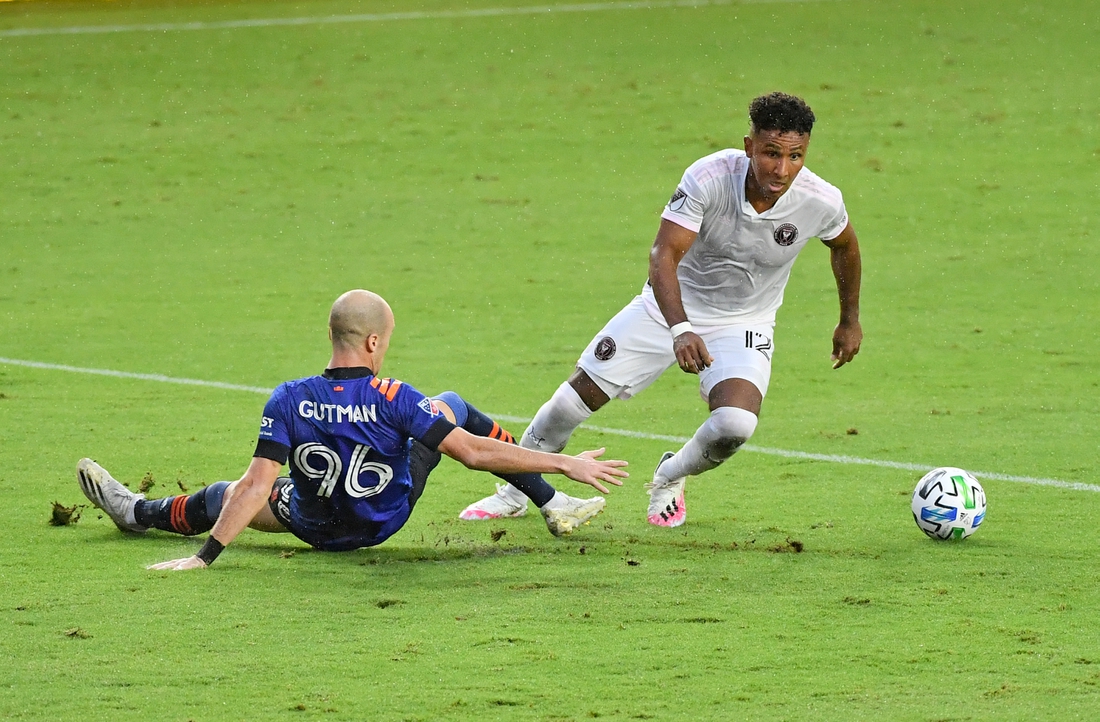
point(782, 112)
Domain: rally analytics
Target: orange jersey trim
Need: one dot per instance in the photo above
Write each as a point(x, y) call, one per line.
point(386, 387)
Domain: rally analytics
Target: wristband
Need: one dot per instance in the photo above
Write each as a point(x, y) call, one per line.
point(210, 550)
point(681, 328)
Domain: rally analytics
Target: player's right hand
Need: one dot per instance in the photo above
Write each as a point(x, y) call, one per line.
point(591, 470)
point(177, 565)
point(691, 352)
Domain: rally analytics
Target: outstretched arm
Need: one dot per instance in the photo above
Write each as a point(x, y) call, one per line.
point(847, 269)
point(485, 454)
point(245, 499)
point(669, 247)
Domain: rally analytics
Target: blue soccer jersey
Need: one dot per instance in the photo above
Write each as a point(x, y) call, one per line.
point(346, 437)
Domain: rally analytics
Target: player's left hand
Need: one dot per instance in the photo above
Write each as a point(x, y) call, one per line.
point(691, 352)
point(177, 565)
point(846, 340)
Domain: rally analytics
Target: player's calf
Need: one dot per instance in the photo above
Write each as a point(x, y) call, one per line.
point(555, 421)
point(720, 436)
point(183, 514)
point(563, 513)
point(531, 486)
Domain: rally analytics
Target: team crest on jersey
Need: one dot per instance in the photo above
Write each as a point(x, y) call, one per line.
point(786, 234)
point(428, 406)
point(676, 202)
point(605, 348)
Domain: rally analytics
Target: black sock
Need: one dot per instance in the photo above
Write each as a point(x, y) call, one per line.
point(533, 486)
point(187, 515)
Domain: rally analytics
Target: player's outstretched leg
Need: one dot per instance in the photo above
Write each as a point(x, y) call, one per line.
point(563, 513)
point(109, 495)
point(183, 514)
point(549, 431)
point(719, 438)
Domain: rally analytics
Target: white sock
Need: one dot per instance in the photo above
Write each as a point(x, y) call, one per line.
point(719, 438)
point(550, 431)
point(554, 423)
point(558, 501)
point(512, 494)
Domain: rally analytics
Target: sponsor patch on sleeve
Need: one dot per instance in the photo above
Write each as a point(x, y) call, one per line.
point(428, 407)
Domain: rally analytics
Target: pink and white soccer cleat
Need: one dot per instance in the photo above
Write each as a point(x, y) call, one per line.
point(666, 498)
point(500, 505)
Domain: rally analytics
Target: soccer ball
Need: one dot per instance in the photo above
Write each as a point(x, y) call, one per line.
point(948, 503)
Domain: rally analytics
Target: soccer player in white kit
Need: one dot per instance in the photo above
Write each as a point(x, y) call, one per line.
point(717, 270)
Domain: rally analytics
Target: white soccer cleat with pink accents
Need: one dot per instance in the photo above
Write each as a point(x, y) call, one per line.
point(666, 498)
point(501, 505)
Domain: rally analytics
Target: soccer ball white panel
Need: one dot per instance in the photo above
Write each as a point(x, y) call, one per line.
point(948, 503)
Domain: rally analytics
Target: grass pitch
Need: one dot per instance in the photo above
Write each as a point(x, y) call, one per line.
point(189, 202)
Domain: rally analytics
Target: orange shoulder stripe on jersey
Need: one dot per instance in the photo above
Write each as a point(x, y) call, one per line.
point(374, 382)
point(394, 386)
point(384, 387)
point(507, 437)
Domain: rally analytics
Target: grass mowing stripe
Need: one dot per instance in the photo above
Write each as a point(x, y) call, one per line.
point(382, 17)
point(831, 458)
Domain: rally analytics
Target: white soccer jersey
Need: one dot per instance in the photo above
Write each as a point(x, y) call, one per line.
point(735, 272)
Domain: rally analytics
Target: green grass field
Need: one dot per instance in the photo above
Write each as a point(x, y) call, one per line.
point(188, 202)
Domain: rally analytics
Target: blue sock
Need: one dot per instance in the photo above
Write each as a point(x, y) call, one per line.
point(469, 418)
point(187, 515)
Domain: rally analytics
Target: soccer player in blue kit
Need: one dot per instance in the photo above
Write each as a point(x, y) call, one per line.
point(359, 448)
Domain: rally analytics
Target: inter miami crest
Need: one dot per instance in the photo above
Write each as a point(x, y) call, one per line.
point(605, 348)
point(676, 202)
point(786, 234)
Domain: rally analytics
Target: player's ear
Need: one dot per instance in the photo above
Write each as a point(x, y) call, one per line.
point(370, 343)
point(748, 145)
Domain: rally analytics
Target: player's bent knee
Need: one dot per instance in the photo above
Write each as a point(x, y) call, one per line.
point(452, 406)
point(731, 427)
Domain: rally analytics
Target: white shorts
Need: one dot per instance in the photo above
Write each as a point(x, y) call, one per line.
point(633, 349)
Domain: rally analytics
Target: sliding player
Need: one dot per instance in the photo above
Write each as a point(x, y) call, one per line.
point(721, 259)
point(360, 449)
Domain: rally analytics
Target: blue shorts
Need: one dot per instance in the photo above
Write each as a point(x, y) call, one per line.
point(337, 535)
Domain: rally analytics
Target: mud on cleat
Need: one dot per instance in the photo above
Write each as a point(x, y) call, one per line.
point(564, 520)
point(109, 495)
